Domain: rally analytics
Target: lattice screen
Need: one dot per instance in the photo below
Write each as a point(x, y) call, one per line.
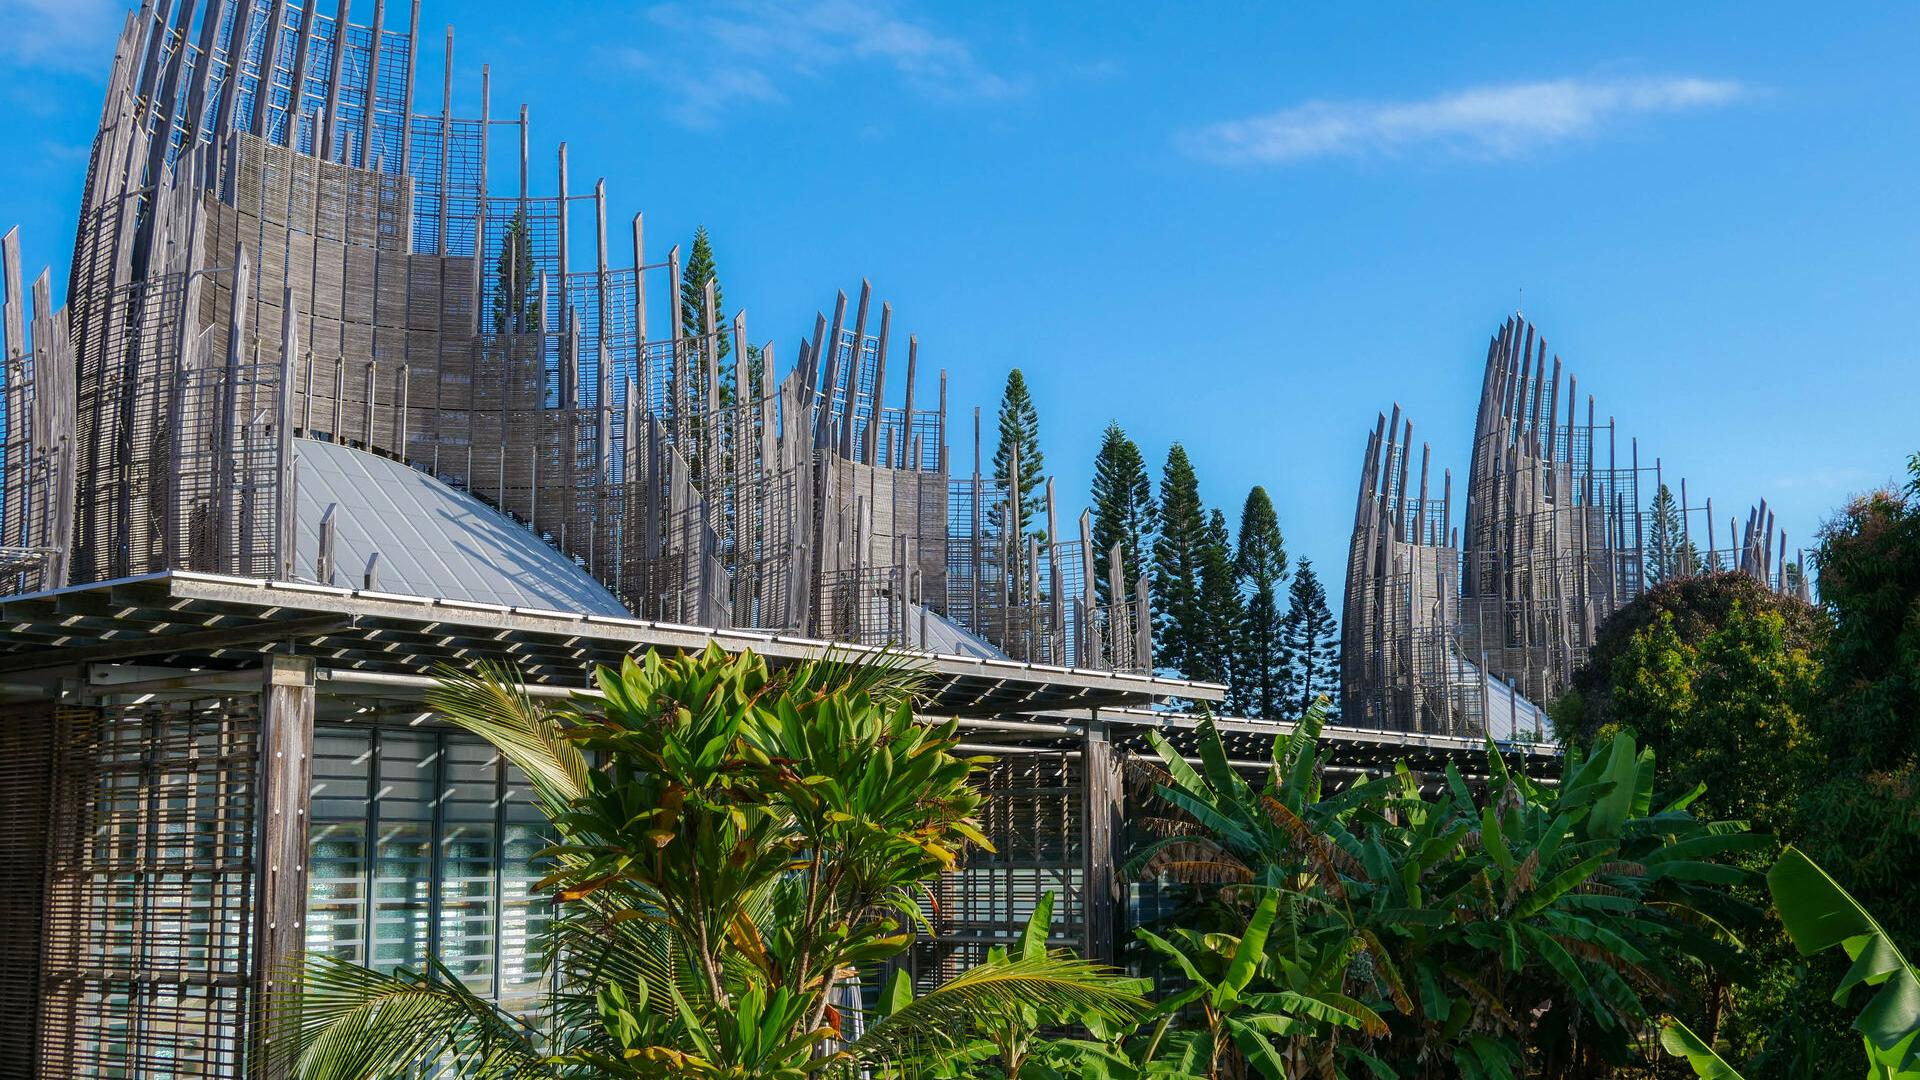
point(148, 927)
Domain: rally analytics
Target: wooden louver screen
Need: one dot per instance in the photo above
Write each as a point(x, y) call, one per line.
point(147, 929)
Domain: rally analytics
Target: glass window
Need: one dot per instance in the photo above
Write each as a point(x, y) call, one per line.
point(420, 846)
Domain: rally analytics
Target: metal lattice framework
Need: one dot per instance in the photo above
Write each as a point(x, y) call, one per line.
point(1473, 630)
point(276, 242)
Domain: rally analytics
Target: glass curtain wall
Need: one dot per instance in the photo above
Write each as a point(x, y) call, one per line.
point(422, 844)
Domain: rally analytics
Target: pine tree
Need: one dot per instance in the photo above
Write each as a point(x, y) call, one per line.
point(1122, 510)
point(1261, 563)
point(694, 276)
point(516, 298)
point(1222, 610)
point(1666, 555)
point(756, 369)
point(1179, 551)
point(1020, 432)
point(1309, 645)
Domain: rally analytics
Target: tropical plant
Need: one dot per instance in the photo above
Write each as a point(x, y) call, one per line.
point(1536, 929)
point(1819, 915)
point(1669, 554)
point(749, 847)
point(1301, 1002)
point(701, 269)
point(516, 299)
point(1007, 1042)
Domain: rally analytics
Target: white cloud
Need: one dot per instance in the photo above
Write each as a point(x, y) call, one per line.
point(1486, 121)
point(63, 35)
point(714, 57)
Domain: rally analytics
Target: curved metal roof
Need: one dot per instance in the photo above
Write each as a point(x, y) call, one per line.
point(431, 539)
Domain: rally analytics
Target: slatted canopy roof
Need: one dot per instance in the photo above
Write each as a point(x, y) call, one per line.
point(207, 622)
point(1250, 743)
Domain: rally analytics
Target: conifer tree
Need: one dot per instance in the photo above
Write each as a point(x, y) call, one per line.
point(1667, 555)
point(1309, 645)
point(1222, 610)
point(699, 270)
point(694, 275)
point(1259, 674)
point(1020, 432)
point(516, 298)
point(1179, 552)
point(1123, 510)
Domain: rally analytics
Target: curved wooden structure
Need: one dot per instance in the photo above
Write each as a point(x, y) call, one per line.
point(213, 751)
point(1475, 629)
point(277, 243)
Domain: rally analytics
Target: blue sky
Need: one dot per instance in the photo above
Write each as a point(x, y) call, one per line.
point(1245, 229)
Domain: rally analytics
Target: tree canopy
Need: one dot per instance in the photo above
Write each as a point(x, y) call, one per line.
point(1861, 816)
point(1716, 673)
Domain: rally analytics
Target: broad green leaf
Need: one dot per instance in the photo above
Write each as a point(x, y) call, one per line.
point(1623, 772)
point(899, 993)
point(1246, 955)
point(1261, 1055)
point(1033, 936)
point(1680, 1041)
point(1819, 914)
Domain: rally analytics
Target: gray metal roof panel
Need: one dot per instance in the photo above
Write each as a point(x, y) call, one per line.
point(431, 539)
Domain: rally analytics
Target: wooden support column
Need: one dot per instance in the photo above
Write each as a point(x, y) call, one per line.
point(368, 147)
point(280, 883)
point(1102, 812)
point(856, 362)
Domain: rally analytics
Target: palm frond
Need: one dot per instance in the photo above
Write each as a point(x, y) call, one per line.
point(888, 678)
point(593, 950)
point(1054, 986)
point(491, 701)
point(351, 1023)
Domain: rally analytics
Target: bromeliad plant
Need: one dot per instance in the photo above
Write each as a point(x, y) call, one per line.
point(1533, 930)
point(748, 845)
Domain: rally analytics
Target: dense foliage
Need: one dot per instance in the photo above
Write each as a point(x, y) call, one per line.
point(1819, 915)
point(1222, 611)
point(1382, 930)
point(1862, 817)
point(1715, 674)
point(1802, 719)
point(750, 843)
